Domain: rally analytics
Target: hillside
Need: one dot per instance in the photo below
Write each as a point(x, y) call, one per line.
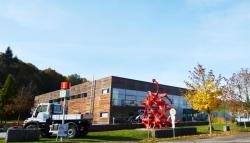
point(27, 74)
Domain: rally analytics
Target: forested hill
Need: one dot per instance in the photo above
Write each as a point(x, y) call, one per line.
point(28, 75)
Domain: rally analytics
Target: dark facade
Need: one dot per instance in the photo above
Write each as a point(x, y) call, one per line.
point(113, 98)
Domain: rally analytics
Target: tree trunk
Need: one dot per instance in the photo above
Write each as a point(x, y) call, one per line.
point(5, 119)
point(18, 118)
point(210, 123)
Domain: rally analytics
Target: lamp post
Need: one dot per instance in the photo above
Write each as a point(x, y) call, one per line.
point(64, 92)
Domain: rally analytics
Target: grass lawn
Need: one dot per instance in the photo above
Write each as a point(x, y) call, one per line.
point(105, 136)
point(141, 136)
point(218, 128)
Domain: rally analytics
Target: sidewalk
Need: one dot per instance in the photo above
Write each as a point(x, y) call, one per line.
point(2, 134)
point(243, 137)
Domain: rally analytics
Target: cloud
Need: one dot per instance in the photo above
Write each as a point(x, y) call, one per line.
point(35, 14)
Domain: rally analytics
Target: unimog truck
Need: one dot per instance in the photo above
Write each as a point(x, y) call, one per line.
point(48, 116)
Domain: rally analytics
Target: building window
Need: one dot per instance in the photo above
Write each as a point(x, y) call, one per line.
point(104, 115)
point(73, 97)
point(126, 97)
point(83, 95)
point(105, 91)
point(56, 100)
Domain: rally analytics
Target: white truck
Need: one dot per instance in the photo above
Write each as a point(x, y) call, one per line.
point(48, 117)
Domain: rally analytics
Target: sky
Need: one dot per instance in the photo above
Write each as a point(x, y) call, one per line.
point(138, 39)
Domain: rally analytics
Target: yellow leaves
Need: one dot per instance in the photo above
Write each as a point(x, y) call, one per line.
point(206, 98)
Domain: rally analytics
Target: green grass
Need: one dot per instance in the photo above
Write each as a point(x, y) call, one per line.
point(105, 136)
point(219, 128)
point(139, 135)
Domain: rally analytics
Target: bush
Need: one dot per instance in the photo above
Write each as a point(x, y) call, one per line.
point(232, 119)
point(219, 120)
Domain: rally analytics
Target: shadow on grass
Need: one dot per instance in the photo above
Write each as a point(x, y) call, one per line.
point(90, 138)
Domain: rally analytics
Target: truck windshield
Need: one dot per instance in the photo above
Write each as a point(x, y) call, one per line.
point(42, 108)
point(57, 109)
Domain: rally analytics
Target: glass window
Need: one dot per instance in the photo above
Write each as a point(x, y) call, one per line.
point(56, 100)
point(105, 91)
point(130, 92)
point(42, 108)
point(118, 91)
point(73, 97)
point(57, 109)
point(141, 94)
point(130, 102)
point(184, 104)
point(104, 115)
point(118, 102)
point(126, 97)
point(130, 97)
point(118, 94)
point(82, 95)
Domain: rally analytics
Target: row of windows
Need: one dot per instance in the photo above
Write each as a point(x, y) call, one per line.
point(72, 97)
point(81, 95)
point(126, 97)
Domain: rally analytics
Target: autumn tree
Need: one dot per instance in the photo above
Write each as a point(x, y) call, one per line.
point(204, 91)
point(237, 92)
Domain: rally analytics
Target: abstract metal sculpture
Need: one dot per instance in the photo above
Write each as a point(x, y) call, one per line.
point(156, 107)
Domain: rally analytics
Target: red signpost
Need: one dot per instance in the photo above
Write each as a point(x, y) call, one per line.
point(65, 85)
point(64, 92)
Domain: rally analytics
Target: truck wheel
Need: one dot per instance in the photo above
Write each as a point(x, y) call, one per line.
point(85, 131)
point(72, 131)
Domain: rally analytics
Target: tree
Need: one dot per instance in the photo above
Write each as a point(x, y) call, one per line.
point(237, 92)
point(52, 79)
point(8, 53)
point(7, 92)
point(22, 103)
point(204, 91)
point(76, 79)
point(1, 104)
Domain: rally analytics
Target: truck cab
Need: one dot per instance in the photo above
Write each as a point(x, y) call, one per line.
point(48, 116)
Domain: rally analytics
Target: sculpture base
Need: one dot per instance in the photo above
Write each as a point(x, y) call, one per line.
point(168, 132)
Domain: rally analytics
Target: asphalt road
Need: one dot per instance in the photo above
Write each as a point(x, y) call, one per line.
point(243, 137)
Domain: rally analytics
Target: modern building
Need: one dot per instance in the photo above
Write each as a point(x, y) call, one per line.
point(114, 99)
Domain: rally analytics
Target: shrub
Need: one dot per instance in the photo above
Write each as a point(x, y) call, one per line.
point(219, 120)
point(232, 119)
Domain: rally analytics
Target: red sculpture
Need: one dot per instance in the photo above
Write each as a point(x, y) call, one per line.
point(156, 107)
